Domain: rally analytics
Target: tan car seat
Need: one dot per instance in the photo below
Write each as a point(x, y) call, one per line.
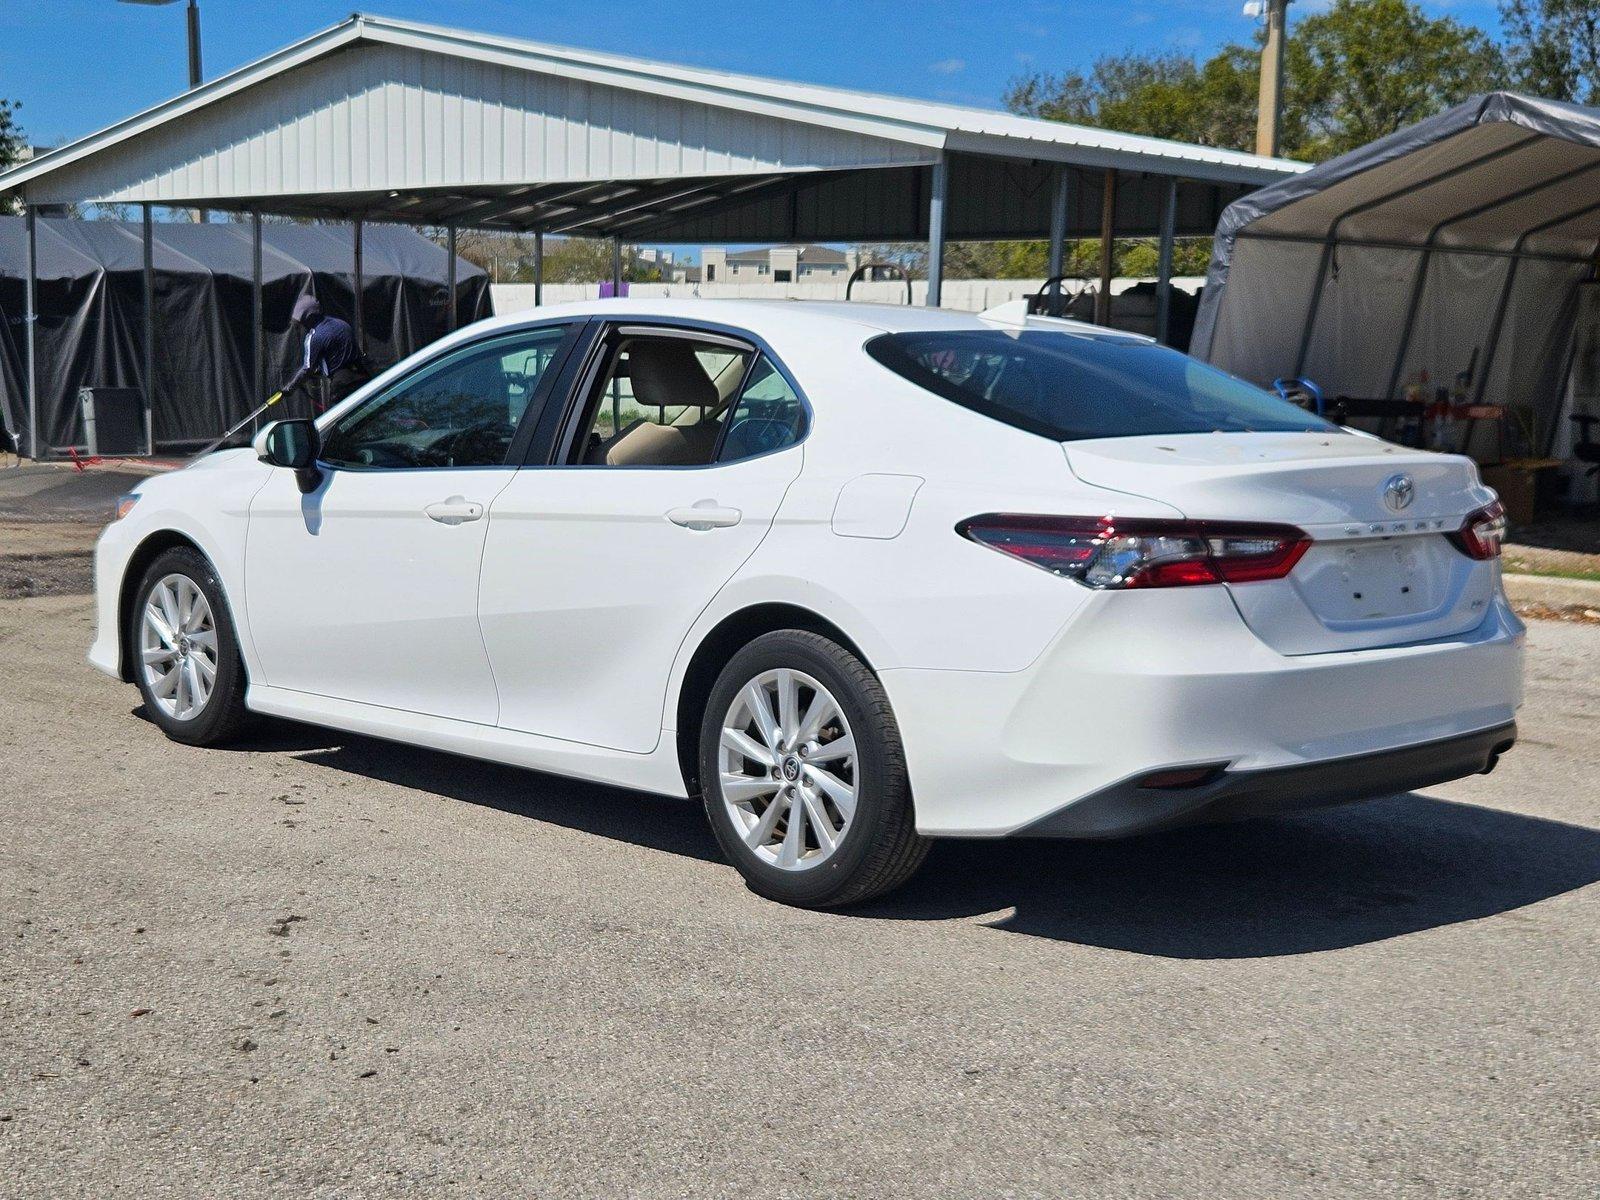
point(666, 374)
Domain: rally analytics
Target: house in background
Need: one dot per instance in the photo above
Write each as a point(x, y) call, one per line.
point(776, 264)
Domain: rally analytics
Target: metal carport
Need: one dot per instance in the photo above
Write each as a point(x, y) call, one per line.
point(383, 120)
point(1454, 246)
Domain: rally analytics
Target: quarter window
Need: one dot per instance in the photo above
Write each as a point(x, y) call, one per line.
point(460, 410)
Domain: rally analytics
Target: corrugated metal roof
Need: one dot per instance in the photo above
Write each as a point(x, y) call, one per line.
point(374, 105)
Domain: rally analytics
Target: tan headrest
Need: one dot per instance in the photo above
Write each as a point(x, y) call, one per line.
point(666, 373)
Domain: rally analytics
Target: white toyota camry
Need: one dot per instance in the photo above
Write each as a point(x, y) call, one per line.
point(858, 577)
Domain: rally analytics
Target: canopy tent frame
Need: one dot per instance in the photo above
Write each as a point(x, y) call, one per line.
point(1401, 206)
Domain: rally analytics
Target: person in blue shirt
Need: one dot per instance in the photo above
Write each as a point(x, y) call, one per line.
point(332, 357)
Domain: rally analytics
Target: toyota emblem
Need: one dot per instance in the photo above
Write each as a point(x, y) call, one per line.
point(1398, 492)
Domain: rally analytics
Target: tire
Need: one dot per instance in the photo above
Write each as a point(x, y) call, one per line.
point(876, 847)
point(202, 644)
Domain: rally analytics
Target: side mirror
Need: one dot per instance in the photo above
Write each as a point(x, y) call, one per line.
point(293, 445)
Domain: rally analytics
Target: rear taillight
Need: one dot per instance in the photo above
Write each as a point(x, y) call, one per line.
point(1108, 552)
point(1482, 532)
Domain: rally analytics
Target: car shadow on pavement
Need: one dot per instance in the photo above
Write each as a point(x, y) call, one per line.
point(641, 818)
point(1293, 885)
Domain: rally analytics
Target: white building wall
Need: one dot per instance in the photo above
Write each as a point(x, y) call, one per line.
point(965, 295)
point(383, 117)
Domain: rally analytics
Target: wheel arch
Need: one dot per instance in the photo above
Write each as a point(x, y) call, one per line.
point(721, 642)
point(145, 553)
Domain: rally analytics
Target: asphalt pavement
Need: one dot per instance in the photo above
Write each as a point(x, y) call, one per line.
point(319, 965)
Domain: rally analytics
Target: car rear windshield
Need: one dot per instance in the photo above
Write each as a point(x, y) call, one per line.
point(1069, 386)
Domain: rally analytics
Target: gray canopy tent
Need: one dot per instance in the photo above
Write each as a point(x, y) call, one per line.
point(1456, 247)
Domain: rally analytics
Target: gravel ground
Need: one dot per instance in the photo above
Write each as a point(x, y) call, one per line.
point(319, 965)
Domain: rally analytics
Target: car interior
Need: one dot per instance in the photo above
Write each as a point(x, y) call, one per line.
point(663, 402)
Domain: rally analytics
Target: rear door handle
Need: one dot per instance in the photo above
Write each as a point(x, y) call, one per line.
point(705, 514)
point(454, 511)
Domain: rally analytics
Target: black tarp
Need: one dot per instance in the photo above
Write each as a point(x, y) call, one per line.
point(90, 331)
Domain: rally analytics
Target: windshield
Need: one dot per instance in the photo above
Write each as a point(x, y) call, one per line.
point(1071, 386)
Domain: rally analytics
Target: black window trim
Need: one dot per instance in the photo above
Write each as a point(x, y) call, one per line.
point(515, 452)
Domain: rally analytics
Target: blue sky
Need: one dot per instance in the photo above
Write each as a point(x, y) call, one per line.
point(77, 65)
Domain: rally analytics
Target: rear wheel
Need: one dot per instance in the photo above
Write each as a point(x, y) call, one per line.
point(185, 654)
point(804, 775)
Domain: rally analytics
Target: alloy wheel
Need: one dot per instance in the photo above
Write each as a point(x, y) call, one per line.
point(178, 647)
point(787, 769)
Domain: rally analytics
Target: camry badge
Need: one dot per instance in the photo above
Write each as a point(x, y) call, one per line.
point(1399, 492)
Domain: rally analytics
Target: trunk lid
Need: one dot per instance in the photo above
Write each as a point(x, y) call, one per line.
point(1380, 572)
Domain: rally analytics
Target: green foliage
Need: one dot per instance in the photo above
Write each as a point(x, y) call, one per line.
point(1030, 260)
point(12, 143)
point(1358, 71)
point(1366, 68)
point(1553, 47)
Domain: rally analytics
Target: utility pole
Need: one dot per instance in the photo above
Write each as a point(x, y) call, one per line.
point(1270, 112)
point(196, 73)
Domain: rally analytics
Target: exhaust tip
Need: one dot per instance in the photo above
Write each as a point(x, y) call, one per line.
point(1182, 778)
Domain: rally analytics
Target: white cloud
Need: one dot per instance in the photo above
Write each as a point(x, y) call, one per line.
point(948, 66)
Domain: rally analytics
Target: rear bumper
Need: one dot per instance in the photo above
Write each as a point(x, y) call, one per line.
point(1172, 678)
point(1127, 808)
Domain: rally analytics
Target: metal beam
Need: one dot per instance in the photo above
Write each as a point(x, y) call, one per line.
point(1108, 248)
point(1169, 236)
point(667, 196)
point(1058, 237)
point(938, 195)
point(30, 317)
point(148, 222)
point(257, 311)
point(538, 267)
point(450, 278)
point(616, 266)
point(359, 286)
point(723, 201)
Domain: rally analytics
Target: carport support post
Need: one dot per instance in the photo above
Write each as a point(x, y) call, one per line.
point(1058, 240)
point(450, 277)
point(616, 266)
point(359, 266)
point(1108, 252)
point(30, 318)
point(937, 195)
point(148, 220)
point(538, 267)
point(1169, 232)
point(257, 313)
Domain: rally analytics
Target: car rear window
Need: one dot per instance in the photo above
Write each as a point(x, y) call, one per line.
point(1071, 386)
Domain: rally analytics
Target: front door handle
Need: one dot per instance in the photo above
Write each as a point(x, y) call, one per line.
point(705, 514)
point(454, 511)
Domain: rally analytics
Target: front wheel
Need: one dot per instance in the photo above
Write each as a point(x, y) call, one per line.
point(804, 775)
point(185, 653)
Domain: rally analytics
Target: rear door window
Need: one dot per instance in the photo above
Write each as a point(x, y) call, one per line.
point(1071, 386)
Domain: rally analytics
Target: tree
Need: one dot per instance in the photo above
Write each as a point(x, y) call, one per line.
point(1366, 68)
point(1553, 47)
point(1356, 72)
point(12, 144)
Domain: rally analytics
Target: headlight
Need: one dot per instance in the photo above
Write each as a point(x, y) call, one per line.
point(124, 505)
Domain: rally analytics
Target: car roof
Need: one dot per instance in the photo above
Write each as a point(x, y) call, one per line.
point(762, 316)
